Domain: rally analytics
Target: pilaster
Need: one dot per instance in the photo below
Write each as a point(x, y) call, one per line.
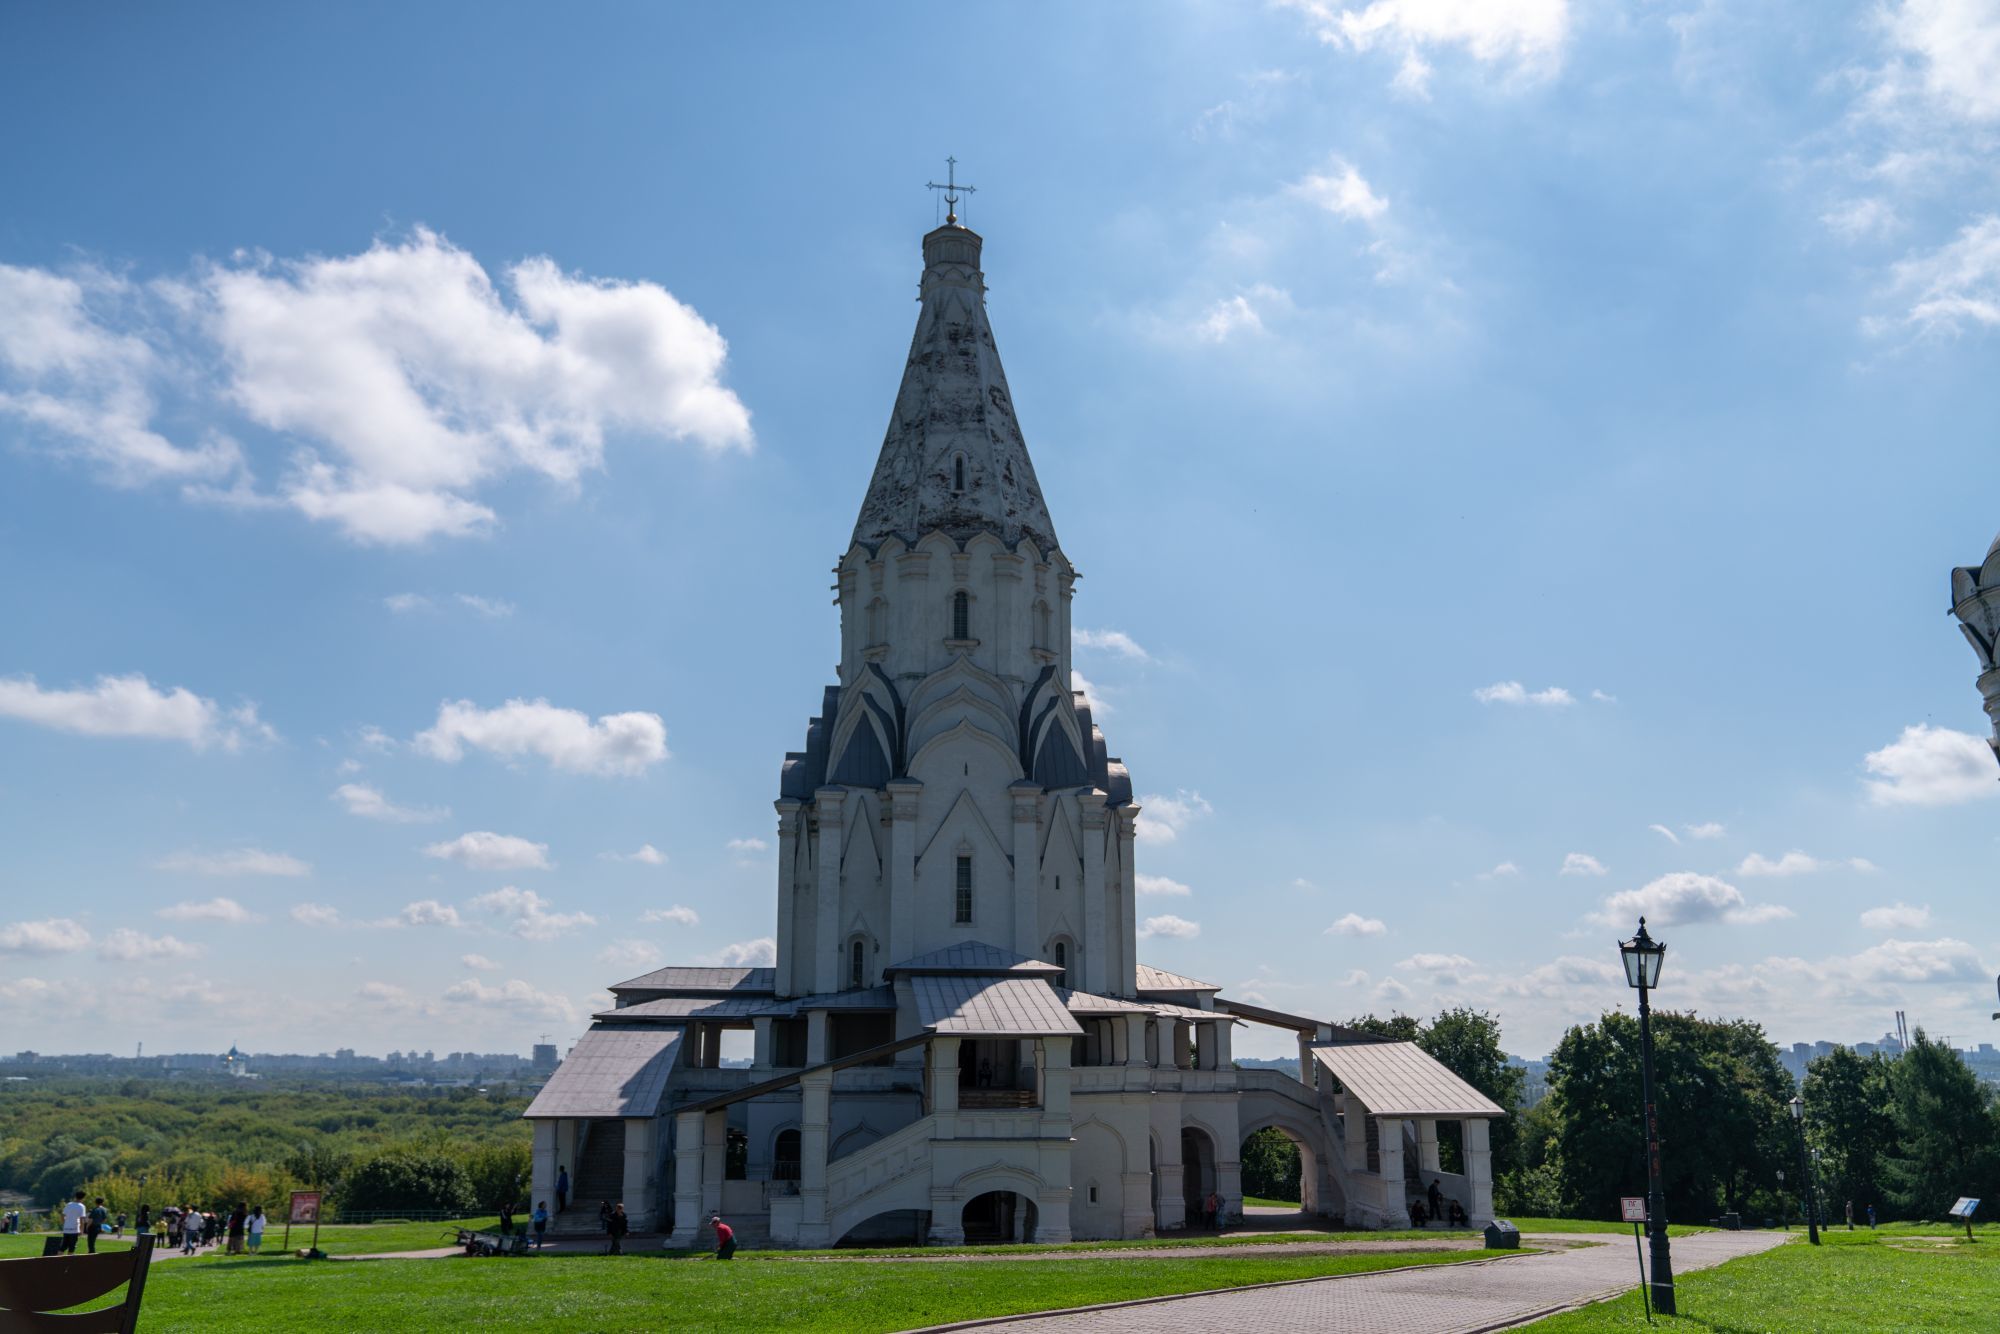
point(789, 819)
point(905, 800)
point(1126, 982)
point(687, 1180)
point(1479, 1168)
point(1027, 798)
point(714, 1159)
point(1389, 1151)
point(1427, 1147)
point(1093, 818)
point(830, 806)
point(815, 1102)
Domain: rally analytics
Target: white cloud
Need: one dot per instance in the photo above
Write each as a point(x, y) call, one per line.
point(412, 382)
point(1513, 692)
point(1709, 829)
point(1953, 288)
point(1093, 695)
point(240, 861)
point(1170, 926)
point(1861, 219)
point(1944, 960)
point(647, 855)
point(1436, 963)
point(212, 910)
point(1581, 863)
point(1354, 924)
point(405, 603)
point(484, 850)
point(759, 953)
point(479, 962)
point(1899, 916)
point(1956, 49)
point(492, 609)
point(526, 914)
point(1341, 191)
point(513, 997)
point(1242, 313)
point(624, 744)
point(369, 803)
point(130, 706)
point(1525, 36)
point(1683, 898)
point(1163, 817)
point(374, 738)
point(53, 935)
point(1159, 884)
point(630, 955)
point(427, 912)
point(1796, 862)
point(1666, 833)
point(1503, 870)
point(315, 914)
point(1114, 641)
point(1561, 978)
point(680, 915)
point(1932, 766)
point(128, 946)
point(748, 846)
point(1390, 991)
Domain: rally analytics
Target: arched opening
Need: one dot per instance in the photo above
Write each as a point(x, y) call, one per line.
point(785, 1156)
point(961, 615)
point(1279, 1172)
point(735, 1155)
point(857, 963)
point(1198, 1177)
point(997, 1218)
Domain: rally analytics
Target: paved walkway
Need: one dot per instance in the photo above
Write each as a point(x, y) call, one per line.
point(1435, 1299)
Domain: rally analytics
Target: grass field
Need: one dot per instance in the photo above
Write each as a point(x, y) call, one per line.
point(1902, 1277)
point(344, 1239)
point(229, 1295)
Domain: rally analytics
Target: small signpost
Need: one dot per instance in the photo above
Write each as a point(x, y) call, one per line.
point(1632, 1209)
point(305, 1209)
point(1963, 1212)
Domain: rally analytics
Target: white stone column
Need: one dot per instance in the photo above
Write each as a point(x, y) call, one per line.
point(1183, 1047)
point(542, 1164)
point(1052, 1078)
point(1225, 1037)
point(1389, 1152)
point(688, 1217)
point(1093, 818)
point(641, 1184)
point(831, 806)
point(943, 1078)
point(1135, 1039)
point(788, 865)
point(1125, 980)
point(1477, 1133)
point(1027, 926)
point(905, 801)
point(1308, 1067)
point(815, 1104)
point(1427, 1147)
point(1170, 1213)
point(819, 1043)
point(760, 1052)
point(714, 1159)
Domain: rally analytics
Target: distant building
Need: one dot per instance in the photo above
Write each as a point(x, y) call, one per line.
point(544, 1058)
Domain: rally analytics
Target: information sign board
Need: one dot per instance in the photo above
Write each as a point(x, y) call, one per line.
point(305, 1207)
point(1632, 1209)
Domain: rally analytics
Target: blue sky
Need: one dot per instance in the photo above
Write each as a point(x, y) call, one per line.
point(1516, 452)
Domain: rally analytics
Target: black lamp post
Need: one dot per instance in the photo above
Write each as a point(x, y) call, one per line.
point(1805, 1172)
point(1643, 956)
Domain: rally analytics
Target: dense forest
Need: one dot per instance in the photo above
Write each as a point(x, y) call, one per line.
point(374, 1148)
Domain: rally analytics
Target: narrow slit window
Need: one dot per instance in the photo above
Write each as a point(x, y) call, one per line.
point(961, 615)
point(856, 964)
point(958, 473)
point(962, 900)
point(1062, 962)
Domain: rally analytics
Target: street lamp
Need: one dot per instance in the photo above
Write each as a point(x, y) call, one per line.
point(1643, 956)
point(1805, 1172)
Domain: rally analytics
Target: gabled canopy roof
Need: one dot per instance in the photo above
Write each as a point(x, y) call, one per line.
point(610, 1073)
point(1402, 1079)
point(974, 957)
point(1008, 1007)
point(953, 408)
point(1159, 979)
point(704, 981)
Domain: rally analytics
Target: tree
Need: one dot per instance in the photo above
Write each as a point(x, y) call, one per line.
point(1467, 1042)
point(1848, 1121)
point(407, 1178)
point(1400, 1027)
point(1945, 1136)
point(1271, 1165)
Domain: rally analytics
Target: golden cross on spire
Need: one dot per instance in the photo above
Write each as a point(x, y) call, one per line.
point(952, 189)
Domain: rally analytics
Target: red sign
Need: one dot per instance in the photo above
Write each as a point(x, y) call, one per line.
point(1632, 1209)
point(305, 1207)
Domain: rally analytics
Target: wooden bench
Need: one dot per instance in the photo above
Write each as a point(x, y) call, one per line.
point(31, 1289)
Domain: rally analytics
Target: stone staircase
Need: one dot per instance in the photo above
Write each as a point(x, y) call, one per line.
point(599, 1176)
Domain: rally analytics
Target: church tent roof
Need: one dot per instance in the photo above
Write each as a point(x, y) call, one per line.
point(1010, 1007)
point(1159, 979)
point(974, 957)
point(1402, 1079)
point(610, 1072)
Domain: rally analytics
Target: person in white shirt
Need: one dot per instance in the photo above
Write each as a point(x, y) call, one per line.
point(255, 1227)
point(73, 1213)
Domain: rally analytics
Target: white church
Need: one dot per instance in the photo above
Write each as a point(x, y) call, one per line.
point(959, 1042)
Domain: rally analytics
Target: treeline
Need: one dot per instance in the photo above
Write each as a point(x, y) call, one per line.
point(1908, 1134)
point(372, 1149)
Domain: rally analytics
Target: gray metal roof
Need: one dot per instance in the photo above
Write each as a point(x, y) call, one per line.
point(1159, 979)
point(1085, 1002)
point(975, 957)
point(865, 998)
point(1190, 1012)
point(697, 980)
point(1012, 1007)
point(696, 1007)
point(1402, 1079)
point(610, 1072)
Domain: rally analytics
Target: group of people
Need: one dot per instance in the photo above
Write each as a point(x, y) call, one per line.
point(241, 1229)
point(1434, 1208)
point(88, 1223)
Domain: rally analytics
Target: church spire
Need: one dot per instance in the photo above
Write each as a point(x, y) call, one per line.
point(954, 459)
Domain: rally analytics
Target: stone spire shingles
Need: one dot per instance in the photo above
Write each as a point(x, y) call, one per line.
point(954, 458)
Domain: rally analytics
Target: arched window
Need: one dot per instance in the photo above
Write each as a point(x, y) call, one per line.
point(961, 615)
point(962, 897)
point(857, 963)
point(958, 472)
point(785, 1156)
point(1062, 962)
point(1042, 636)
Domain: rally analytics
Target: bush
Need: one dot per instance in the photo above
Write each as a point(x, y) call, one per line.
point(413, 1179)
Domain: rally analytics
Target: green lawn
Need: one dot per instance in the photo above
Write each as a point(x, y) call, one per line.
point(342, 1239)
point(1902, 1277)
point(1591, 1225)
point(1258, 1201)
point(238, 1296)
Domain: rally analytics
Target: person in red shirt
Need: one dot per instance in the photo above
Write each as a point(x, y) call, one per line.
point(725, 1238)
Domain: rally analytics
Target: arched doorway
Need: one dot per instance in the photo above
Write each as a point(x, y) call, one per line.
point(997, 1218)
point(1198, 1178)
point(1279, 1168)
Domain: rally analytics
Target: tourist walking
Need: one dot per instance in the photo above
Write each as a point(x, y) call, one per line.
point(1871, 1215)
point(562, 1189)
point(72, 1223)
point(254, 1229)
point(96, 1225)
point(1210, 1208)
point(1435, 1195)
point(239, 1219)
point(617, 1225)
point(540, 1218)
point(507, 1218)
point(725, 1238)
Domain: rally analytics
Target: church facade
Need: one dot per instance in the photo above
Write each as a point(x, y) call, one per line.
point(958, 1041)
